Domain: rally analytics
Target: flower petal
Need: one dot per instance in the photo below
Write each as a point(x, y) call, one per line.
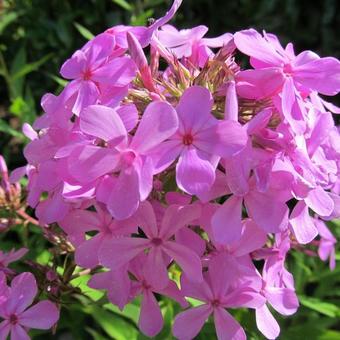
point(150, 319)
point(194, 174)
point(188, 323)
point(102, 122)
point(266, 323)
point(159, 122)
point(227, 328)
point(43, 315)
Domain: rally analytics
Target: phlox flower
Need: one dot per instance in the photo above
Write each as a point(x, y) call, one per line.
point(17, 314)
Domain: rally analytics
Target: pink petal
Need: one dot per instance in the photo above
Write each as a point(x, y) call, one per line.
point(177, 217)
point(80, 221)
point(270, 220)
point(150, 319)
point(165, 154)
point(319, 201)
point(320, 74)
point(116, 252)
point(102, 122)
point(304, 229)
point(186, 259)
point(227, 328)
point(155, 269)
point(172, 291)
point(18, 333)
point(254, 45)
point(231, 103)
point(73, 67)
point(192, 240)
point(194, 173)
point(53, 209)
point(226, 222)
point(43, 315)
point(119, 71)
point(253, 238)
point(128, 113)
point(283, 300)
point(266, 323)
point(197, 290)
point(87, 253)
point(87, 94)
point(145, 178)
point(188, 323)
point(124, 198)
point(289, 107)
point(194, 108)
point(158, 123)
point(147, 219)
point(88, 163)
point(5, 328)
point(23, 291)
point(260, 83)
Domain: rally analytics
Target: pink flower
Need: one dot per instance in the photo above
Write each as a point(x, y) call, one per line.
point(199, 142)
point(9, 257)
point(327, 243)
point(16, 314)
point(117, 252)
point(129, 158)
point(150, 318)
point(217, 296)
point(190, 42)
point(92, 68)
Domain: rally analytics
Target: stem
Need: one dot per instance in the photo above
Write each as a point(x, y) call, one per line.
point(27, 217)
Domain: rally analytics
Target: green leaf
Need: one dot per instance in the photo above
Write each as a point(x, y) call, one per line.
point(6, 19)
point(141, 19)
point(95, 334)
point(130, 311)
point(319, 306)
point(60, 81)
point(124, 4)
point(17, 86)
point(84, 31)
point(113, 325)
point(30, 67)
point(4, 127)
point(81, 283)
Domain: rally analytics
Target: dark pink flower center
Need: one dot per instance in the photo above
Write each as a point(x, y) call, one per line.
point(288, 69)
point(128, 157)
point(145, 285)
point(157, 241)
point(13, 319)
point(215, 303)
point(187, 139)
point(87, 74)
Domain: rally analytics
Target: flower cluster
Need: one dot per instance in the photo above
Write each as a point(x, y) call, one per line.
point(189, 165)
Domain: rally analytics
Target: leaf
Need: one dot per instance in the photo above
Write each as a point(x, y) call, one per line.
point(60, 81)
point(124, 4)
point(30, 67)
point(130, 311)
point(319, 306)
point(116, 327)
point(7, 18)
point(84, 31)
point(95, 334)
point(4, 127)
point(18, 63)
point(81, 283)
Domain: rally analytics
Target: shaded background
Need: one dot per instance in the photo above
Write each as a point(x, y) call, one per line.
point(37, 36)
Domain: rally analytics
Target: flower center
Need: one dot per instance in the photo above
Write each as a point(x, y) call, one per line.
point(215, 303)
point(187, 139)
point(288, 69)
point(157, 241)
point(87, 74)
point(128, 157)
point(13, 319)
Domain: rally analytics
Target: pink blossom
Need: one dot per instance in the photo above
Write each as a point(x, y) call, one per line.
point(17, 313)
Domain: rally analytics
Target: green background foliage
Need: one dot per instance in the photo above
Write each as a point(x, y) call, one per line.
point(37, 36)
